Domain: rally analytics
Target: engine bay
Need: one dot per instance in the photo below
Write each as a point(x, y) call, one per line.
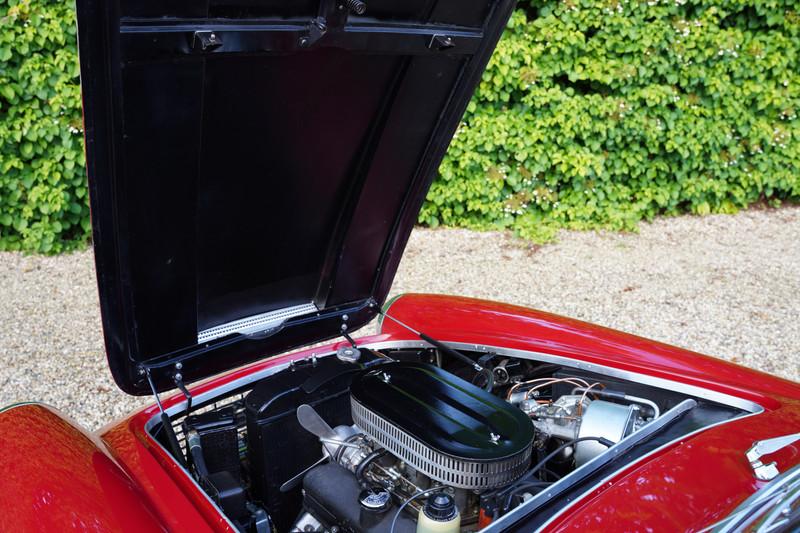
point(412, 439)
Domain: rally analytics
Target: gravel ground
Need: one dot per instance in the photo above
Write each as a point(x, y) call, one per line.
point(723, 285)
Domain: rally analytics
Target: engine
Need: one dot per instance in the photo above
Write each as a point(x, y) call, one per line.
point(386, 445)
point(418, 431)
point(421, 433)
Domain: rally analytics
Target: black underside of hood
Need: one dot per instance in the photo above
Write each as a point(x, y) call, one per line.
point(256, 167)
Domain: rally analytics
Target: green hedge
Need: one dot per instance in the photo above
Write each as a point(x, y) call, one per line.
point(601, 113)
point(593, 113)
point(43, 203)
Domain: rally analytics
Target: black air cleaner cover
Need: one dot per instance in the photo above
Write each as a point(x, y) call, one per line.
point(444, 413)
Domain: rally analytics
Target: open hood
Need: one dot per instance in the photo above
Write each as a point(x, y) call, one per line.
point(256, 166)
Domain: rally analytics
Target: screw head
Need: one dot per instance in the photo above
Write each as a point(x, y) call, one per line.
point(178, 365)
point(178, 377)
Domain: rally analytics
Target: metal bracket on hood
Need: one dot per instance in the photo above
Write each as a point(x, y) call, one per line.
point(317, 29)
point(205, 41)
point(441, 42)
point(332, 15)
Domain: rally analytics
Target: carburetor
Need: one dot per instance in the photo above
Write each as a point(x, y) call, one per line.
point(573, 416)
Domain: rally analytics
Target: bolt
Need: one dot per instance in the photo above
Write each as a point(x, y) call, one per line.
point(345, 318)
point(178, 377)
point(178, 366)
point(344, 327)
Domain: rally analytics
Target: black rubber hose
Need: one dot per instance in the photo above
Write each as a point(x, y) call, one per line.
point(541, 464)
point(196, 451)
point(488, 376)
point(523, 486)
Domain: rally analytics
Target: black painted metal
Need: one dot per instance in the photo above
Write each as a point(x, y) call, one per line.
point(177, 39)
point(446, 413)
point(245, 157)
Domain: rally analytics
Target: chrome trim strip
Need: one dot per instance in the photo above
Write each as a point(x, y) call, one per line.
point(783, 488)
point(699, 392)
point(256, 323)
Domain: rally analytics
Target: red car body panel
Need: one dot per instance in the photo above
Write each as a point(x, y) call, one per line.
point(57, 477)
point(685, 486)
point(688, 486)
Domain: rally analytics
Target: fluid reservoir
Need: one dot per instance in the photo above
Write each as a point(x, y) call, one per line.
point(440, 515)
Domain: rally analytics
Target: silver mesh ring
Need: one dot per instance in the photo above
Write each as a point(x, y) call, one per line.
point(454, 472)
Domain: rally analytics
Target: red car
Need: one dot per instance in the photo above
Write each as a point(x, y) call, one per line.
point(255, 170)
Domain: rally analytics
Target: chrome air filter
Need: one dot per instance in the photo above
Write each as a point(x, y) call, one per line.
point(441, 425)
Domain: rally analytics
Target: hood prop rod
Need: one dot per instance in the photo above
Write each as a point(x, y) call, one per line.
point(166, 425)
point(487, 372)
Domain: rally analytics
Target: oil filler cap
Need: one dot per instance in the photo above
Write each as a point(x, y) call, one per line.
point(440, 507)
point(375, 499)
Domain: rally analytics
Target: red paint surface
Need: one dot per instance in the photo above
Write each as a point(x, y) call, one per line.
point(684, 487)
point(54, 477)
point(689, 486)
point(456, 319)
